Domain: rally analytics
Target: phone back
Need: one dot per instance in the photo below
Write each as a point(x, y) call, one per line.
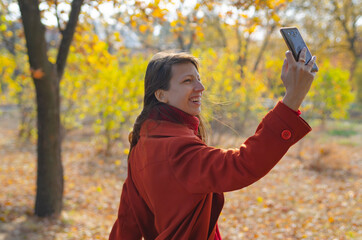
point(296, 43)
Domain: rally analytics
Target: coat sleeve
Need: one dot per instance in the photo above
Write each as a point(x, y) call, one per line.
point(202, 169)
point(126, 226)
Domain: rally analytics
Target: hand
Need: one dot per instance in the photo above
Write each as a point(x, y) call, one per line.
point(297, 79)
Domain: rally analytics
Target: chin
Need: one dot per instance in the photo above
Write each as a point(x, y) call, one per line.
point(195, 112)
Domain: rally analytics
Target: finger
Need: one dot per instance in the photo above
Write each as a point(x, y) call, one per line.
point(284, 69)
point(290, 58)
point(302, 55)
point(311, 63)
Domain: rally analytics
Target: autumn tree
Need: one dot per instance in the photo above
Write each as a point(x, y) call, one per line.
point(46, 77)
point(19, 87)
point(333, 30)
point(331, 95)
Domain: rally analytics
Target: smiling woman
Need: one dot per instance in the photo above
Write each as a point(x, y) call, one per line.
point(185, 89)
point(175, 183)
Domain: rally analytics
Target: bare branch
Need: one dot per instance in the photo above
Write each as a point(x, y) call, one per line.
point(67, 37)
point(58, 18)
point(191, 42)
point(341, 20)
point(270, 30)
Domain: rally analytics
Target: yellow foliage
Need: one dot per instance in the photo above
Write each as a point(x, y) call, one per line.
point(2, 27)
point(229, 95)
point(126, 151)
point(8, 34)
point(107, 88)
point(331, 93)
point(275, 17)
point(143, 28)
point(158, 13)
point(173, 23)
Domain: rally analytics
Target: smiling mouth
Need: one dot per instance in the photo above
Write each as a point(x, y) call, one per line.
point(196, 100)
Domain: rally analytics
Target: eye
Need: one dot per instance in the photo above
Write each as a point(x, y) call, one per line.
point(187, 80)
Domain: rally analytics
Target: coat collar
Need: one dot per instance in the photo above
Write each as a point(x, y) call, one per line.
point(166, 112)
point(153, 128)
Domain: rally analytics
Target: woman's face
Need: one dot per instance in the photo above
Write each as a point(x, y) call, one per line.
point(185, 89)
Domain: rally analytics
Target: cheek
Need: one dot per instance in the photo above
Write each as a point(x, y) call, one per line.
point(181, 95)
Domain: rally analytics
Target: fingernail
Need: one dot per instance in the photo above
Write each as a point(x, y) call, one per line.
point(314, 58)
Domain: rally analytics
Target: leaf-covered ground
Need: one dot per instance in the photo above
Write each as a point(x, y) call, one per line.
point(317, 197)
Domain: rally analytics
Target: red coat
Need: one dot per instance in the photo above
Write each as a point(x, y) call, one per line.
point(175, 181)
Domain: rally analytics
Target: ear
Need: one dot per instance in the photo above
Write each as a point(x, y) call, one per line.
point(161, 96)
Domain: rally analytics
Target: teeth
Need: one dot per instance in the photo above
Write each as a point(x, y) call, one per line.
point(196, 99)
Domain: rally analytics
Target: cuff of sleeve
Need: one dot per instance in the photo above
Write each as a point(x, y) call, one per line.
point(288, 125)
point(296, 112)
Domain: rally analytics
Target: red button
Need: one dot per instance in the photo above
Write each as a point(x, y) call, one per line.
point(286, 134)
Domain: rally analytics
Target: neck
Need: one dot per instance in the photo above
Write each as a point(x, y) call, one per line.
point(170, 113)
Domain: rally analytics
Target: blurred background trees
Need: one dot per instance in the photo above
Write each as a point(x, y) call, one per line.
point(238, 44)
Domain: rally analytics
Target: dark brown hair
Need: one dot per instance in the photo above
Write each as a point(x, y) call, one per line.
point(158, 76)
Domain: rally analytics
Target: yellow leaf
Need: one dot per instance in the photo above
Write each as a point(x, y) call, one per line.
point(133, 23)
point(251, 29)
point(99, 189)
point(126, 151)
point(2, 27)
point(8, 34)
point(117, 162)
point(157, 13)
point(259, 199)
point(143, 28)
point(173, 23)
point(276, 18)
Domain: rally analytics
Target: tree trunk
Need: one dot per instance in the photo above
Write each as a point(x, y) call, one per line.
point(46, 78)
point(241, 59)
point(50, 170)
point(180, 40)
point(49, 166)
point(221, 33)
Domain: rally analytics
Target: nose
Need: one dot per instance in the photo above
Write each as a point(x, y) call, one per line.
point(199, 87)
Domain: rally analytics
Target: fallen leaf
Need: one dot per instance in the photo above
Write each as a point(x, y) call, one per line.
point(37, 73)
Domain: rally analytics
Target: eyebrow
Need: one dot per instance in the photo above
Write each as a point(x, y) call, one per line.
point(190, 75)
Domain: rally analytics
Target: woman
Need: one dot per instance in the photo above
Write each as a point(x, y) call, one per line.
point(175, 183)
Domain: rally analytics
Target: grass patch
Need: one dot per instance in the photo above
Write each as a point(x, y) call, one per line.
point(347, 142)
point(342, 132)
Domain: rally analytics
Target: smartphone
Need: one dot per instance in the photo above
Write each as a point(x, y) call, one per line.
point(295, 43)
